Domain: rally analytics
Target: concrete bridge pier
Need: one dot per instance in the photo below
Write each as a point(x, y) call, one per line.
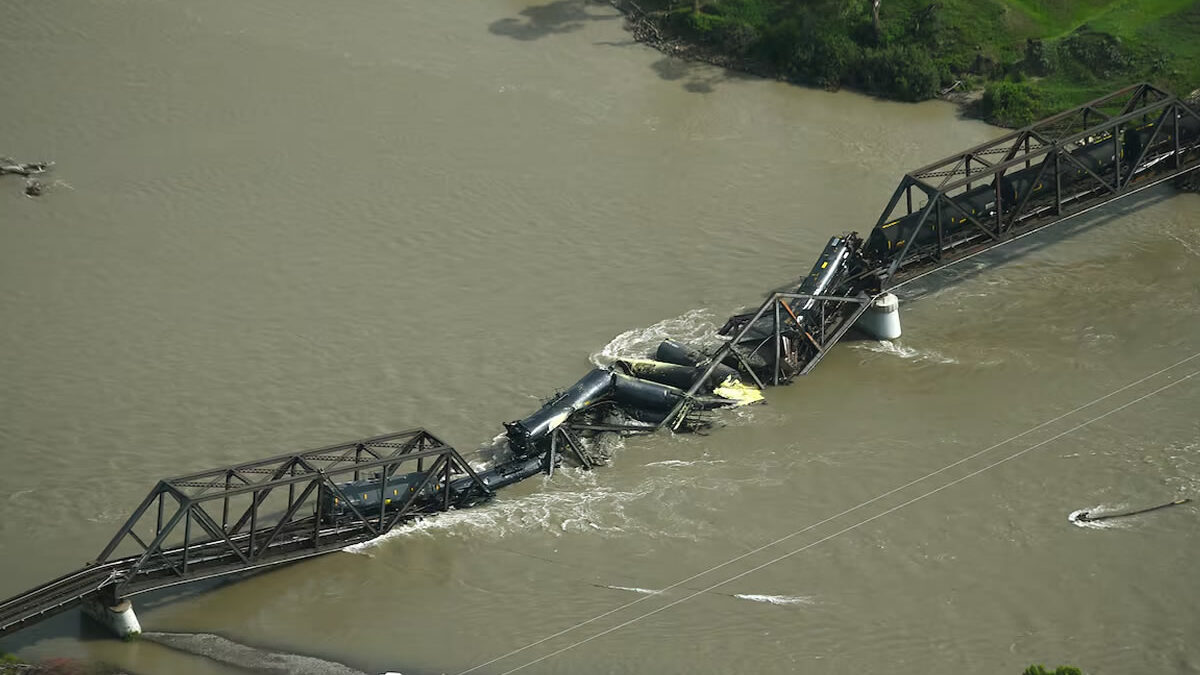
point(882, 319)
point(118, 617)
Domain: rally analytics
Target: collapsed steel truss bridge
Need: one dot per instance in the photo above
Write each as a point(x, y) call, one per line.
point(267, 512)
point(968, 203)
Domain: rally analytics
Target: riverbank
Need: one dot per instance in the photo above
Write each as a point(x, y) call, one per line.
point(1009, 62)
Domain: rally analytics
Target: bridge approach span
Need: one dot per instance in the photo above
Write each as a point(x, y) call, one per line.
point(259, 514)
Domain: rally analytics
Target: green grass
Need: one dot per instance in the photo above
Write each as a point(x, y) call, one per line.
point(1087, 47)
point(1058, 17)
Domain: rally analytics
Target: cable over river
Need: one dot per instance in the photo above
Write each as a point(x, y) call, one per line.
point(280, 226)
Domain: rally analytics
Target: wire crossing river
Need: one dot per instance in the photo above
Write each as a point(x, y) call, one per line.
point(275, 225)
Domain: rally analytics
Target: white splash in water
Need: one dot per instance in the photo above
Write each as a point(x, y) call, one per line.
point(574, 501)
point(889, 347)
point(695, 328)
point(1095, 511)
point(777, 599)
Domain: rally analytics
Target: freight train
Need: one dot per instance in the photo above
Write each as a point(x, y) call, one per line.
point(646, 391)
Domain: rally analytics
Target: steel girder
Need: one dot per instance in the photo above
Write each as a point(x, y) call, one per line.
point(1050, 147)
point(185, 538)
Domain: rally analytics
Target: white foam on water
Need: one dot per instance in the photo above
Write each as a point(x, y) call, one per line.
point(1098, 510)
point(680, 462)
point(224, 650)
point(632, 589)
point(904, 352)
point(573, 501)
point(696, 328)
point(777, 599)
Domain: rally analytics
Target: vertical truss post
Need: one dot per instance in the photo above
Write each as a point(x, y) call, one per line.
point(446, 485)
point(1137, 161)
point(999, 204)
point(159, 522)
point(317, 515)
point(291, 486)
point(550, 454)
point(187, 535)
point(778, 345)
point(383, 481)
point(225, 503)
point(1116, 135)
point(1057, 180)
point(253, 524)
point(908, 199)
point(938, 225)
point(1175, 115)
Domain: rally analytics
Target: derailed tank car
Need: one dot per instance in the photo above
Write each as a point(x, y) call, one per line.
point(364, 496)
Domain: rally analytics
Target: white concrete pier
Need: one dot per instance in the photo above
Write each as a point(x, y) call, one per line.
point(882, 320)
point(118, 618)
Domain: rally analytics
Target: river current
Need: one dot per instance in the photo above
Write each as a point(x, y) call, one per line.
point(279, 225)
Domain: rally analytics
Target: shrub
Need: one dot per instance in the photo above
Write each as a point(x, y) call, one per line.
point(1037, 59)
point(1091, 53)
point(1010, 104)
point(738, 37)
point(903, 72)
point(810, 50)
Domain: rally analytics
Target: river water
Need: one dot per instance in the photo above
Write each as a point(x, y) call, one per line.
point(277, 225)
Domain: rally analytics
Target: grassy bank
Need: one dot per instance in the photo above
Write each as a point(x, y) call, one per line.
point(1032, 57)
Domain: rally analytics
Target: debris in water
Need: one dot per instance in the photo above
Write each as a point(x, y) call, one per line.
point(1086, 516)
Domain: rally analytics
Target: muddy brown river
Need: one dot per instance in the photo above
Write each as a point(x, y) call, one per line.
point(279, 225)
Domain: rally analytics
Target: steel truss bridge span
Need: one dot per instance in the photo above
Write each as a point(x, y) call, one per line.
point(973, 201)
point(260, 514)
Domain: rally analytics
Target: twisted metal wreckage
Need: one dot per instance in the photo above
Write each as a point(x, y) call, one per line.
point(978, 199)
